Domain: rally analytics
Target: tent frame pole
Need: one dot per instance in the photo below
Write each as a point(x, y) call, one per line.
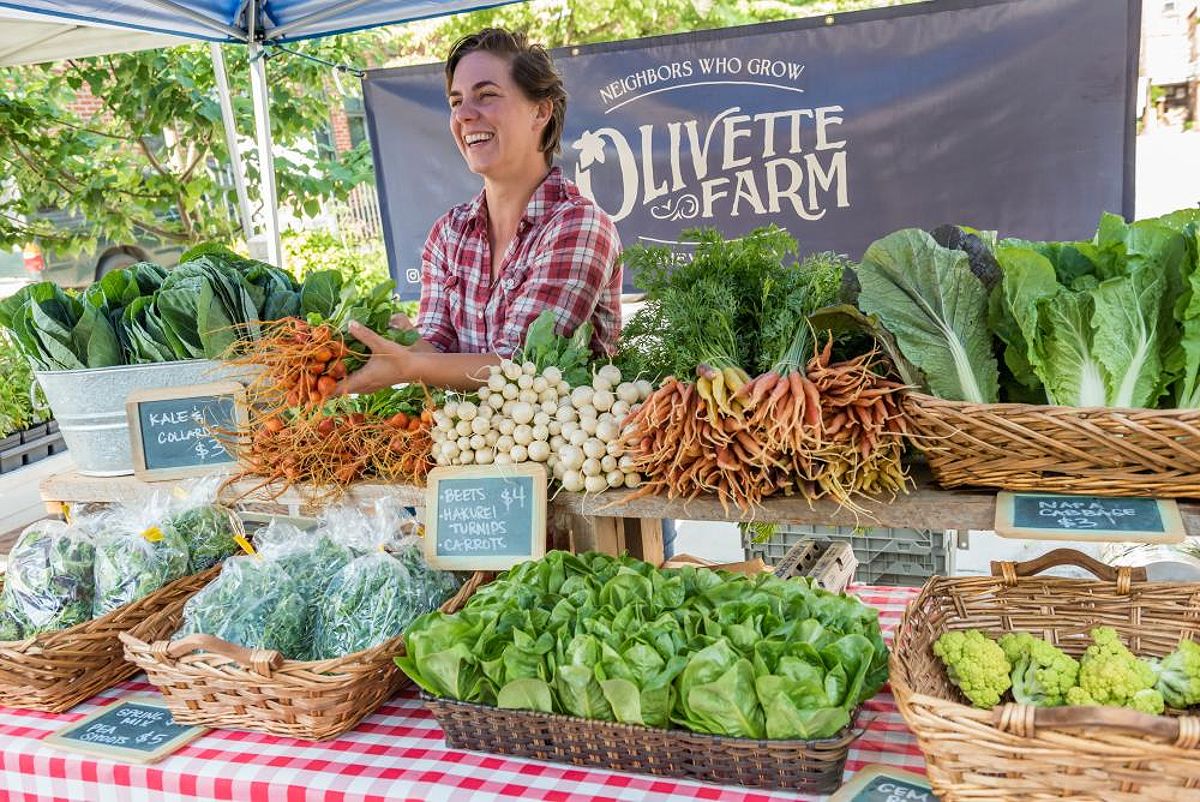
point(266, 156)
point(231, 141)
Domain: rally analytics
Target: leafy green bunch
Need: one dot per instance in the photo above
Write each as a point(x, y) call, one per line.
point(1112, 321)
point(327, 298)
point(142, 313)
point(731, 303)
point(616, 639)
point(543, 347)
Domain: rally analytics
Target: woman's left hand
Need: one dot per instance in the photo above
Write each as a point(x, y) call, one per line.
point(389, 363)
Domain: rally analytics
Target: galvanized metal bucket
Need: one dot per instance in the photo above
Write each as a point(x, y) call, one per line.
point(90, 406)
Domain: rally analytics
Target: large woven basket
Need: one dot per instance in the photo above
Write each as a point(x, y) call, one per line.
point(1018, 753)
point(209, 681)
point(813, 767)
point(55, 671)
point(1091, 451)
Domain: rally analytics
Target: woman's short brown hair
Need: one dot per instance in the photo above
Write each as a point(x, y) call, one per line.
point(532, 69)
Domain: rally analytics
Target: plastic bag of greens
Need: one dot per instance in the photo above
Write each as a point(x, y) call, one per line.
point(433, 586)
point(137, 552)
point(10, 627)
point(208, 528)
point(377, 595)
point(310, 557)
point(253, 603)
point(268, 600)
point(49, 584)
point(385, 523)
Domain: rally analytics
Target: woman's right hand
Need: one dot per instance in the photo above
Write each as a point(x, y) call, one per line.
point(388, 364)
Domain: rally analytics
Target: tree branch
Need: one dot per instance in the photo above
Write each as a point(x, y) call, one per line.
point(154, 162)
point(201, 152)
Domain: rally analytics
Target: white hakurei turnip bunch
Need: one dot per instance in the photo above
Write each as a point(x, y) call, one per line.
point(526, 416)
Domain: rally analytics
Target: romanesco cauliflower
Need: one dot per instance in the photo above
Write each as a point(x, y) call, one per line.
point(1109, 673)
point(1179, 675)
point(976, 664)
point(1149, 701)
point(1042, 673)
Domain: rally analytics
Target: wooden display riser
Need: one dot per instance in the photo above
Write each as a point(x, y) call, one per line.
point(612, 532)
point(605, 522)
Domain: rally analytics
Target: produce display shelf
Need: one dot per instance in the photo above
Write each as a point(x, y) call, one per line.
point(925, 506)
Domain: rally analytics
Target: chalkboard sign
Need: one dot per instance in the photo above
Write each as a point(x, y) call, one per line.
point(175, 432)
point(137, 729)
point(884, 784)
point(485, 517)
point(1047, 516)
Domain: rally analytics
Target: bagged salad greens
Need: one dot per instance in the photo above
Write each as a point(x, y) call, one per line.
point(10, 627)
point(324, 593)
point(266, 600)
point(253, 603)
point(49, 584)
point(206, 527)
point(137, 552)
point(377, 595)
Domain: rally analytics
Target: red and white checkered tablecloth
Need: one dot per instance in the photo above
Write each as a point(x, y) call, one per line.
point(398, 754)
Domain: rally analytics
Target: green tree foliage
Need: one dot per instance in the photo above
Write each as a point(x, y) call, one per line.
point(560, 23)
point(154, 157)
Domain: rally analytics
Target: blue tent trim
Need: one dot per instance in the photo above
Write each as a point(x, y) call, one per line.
point(202, 20)
point(92, 19)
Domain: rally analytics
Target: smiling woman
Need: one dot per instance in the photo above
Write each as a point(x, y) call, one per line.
point(529, 241)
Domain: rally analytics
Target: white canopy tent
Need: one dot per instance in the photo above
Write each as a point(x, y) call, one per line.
point(49, 30)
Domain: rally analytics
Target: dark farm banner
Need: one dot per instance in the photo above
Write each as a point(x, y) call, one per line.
point(1014, 115)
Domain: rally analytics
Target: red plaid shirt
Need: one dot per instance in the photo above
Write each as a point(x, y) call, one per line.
point(564, 257)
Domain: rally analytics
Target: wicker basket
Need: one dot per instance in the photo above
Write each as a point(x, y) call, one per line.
point(1018, 753)
point(55, 671)
point(813, 767)
point(1091, 451)
point(209, 681)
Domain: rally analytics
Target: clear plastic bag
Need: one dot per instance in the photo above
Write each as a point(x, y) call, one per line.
point(377, 595)
point(10, 627)
point(312, 557)
point(433, 586)
point(254, 603)
point(268, 600)
point(206, 527)
point(49, 584)
point(137, 552)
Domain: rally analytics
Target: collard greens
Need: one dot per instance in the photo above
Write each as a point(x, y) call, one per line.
point(616, 639)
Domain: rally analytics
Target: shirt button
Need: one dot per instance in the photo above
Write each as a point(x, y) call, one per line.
point(481, 315)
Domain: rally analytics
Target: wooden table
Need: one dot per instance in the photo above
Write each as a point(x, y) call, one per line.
point(606, 522)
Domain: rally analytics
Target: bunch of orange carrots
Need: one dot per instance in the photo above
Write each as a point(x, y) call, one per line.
point(298, 429)
point(297, 364)
point(825, 429)
point(335, 450)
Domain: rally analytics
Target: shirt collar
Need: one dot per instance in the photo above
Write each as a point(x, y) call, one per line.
point(548, 193)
